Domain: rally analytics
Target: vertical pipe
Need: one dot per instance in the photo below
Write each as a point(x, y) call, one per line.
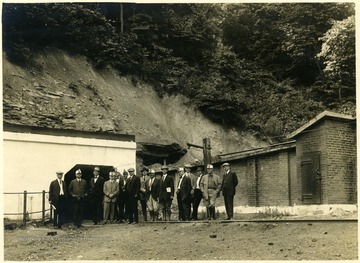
point(207, 152)
point(24, 209)
point(43, 208)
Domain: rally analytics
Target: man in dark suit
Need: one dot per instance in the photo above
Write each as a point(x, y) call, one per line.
point(133, 190)
point(197, 193)
point(188, 173)
point(57, 198)
point(152, 187)
point(166, 193)
point(142, 198)
point(122, 199)
point(228, 187)
point(96, 195)
point(78, 190)
point(183, 194)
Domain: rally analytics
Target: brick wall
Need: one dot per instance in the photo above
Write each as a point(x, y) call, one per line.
point(340, 157)
point(264, 179)
point(275, 178)
point(336, 143)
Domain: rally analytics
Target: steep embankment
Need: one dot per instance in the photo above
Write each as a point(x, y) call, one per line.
point(64, 91)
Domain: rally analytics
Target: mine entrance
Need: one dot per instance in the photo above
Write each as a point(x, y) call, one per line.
point(311, 178)
point(87, 174)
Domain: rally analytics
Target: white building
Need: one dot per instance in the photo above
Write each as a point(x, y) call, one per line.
point(32, 155)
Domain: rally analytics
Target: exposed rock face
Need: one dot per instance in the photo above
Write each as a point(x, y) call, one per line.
point(63, 91)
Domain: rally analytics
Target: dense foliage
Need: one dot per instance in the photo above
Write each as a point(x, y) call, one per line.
point(267, 68)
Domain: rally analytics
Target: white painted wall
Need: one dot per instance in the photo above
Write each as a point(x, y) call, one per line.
point(31, 161)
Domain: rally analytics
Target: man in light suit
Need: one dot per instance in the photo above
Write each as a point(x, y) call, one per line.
point(210, 186)
point(96, 195)
point(111, 191)
point(166, 195)
point(183, 194)
point(78, 190)
point(57, 198)
point(228, 187)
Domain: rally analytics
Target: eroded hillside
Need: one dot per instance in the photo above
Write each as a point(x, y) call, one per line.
point(64, 91)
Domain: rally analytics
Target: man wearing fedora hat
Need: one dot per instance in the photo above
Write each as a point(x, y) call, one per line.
point(228, 187)
point(142, 198)
point(78, 190)
point(96, 195)
point(166, 194)
point(192, 178)
point(133, 190)
point(111, 191)
point(197, 193)
point(57, 198)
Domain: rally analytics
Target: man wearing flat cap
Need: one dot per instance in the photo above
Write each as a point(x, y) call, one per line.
point(78, 190)
point(228, 187)
point(96, 195)
point(142, 198)
point(210, 187)
point(57, 198)
point(166, 195)
point(133, 190)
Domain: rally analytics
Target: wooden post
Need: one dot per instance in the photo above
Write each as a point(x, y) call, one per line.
point(24, 209)
point(43, 208)
point(207, 152)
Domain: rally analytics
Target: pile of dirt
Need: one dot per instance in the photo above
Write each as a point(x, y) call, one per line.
point(63, 91)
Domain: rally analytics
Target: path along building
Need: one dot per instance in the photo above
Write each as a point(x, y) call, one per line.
point(32, 155)
point(317, 166)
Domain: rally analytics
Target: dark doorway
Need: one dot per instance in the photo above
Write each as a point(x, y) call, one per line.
point(311, 178)
point(87, 174)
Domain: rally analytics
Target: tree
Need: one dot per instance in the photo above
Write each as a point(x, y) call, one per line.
point(338, 53)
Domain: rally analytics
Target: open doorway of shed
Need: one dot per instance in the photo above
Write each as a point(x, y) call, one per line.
point(87, 173)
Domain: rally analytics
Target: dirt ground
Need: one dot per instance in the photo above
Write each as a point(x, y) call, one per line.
point(198, 240)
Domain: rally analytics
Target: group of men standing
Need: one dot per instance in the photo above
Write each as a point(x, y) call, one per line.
point(116, 199)
point(192, 189)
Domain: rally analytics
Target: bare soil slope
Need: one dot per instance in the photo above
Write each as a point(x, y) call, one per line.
point(64, 91)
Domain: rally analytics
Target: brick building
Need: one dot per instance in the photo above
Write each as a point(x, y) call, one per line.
point(318, 166)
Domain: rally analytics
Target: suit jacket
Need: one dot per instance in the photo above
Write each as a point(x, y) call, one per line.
point(193, 179)
point(110, 188)
point(185, 188)
point(97, 189)
point(166, 185)
point(78, 189)
point(143, 180)
point(54, 191)
point(155, 189)
point(205, 182)
point(229, 183)
point(133, 186)
point(122, 189)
